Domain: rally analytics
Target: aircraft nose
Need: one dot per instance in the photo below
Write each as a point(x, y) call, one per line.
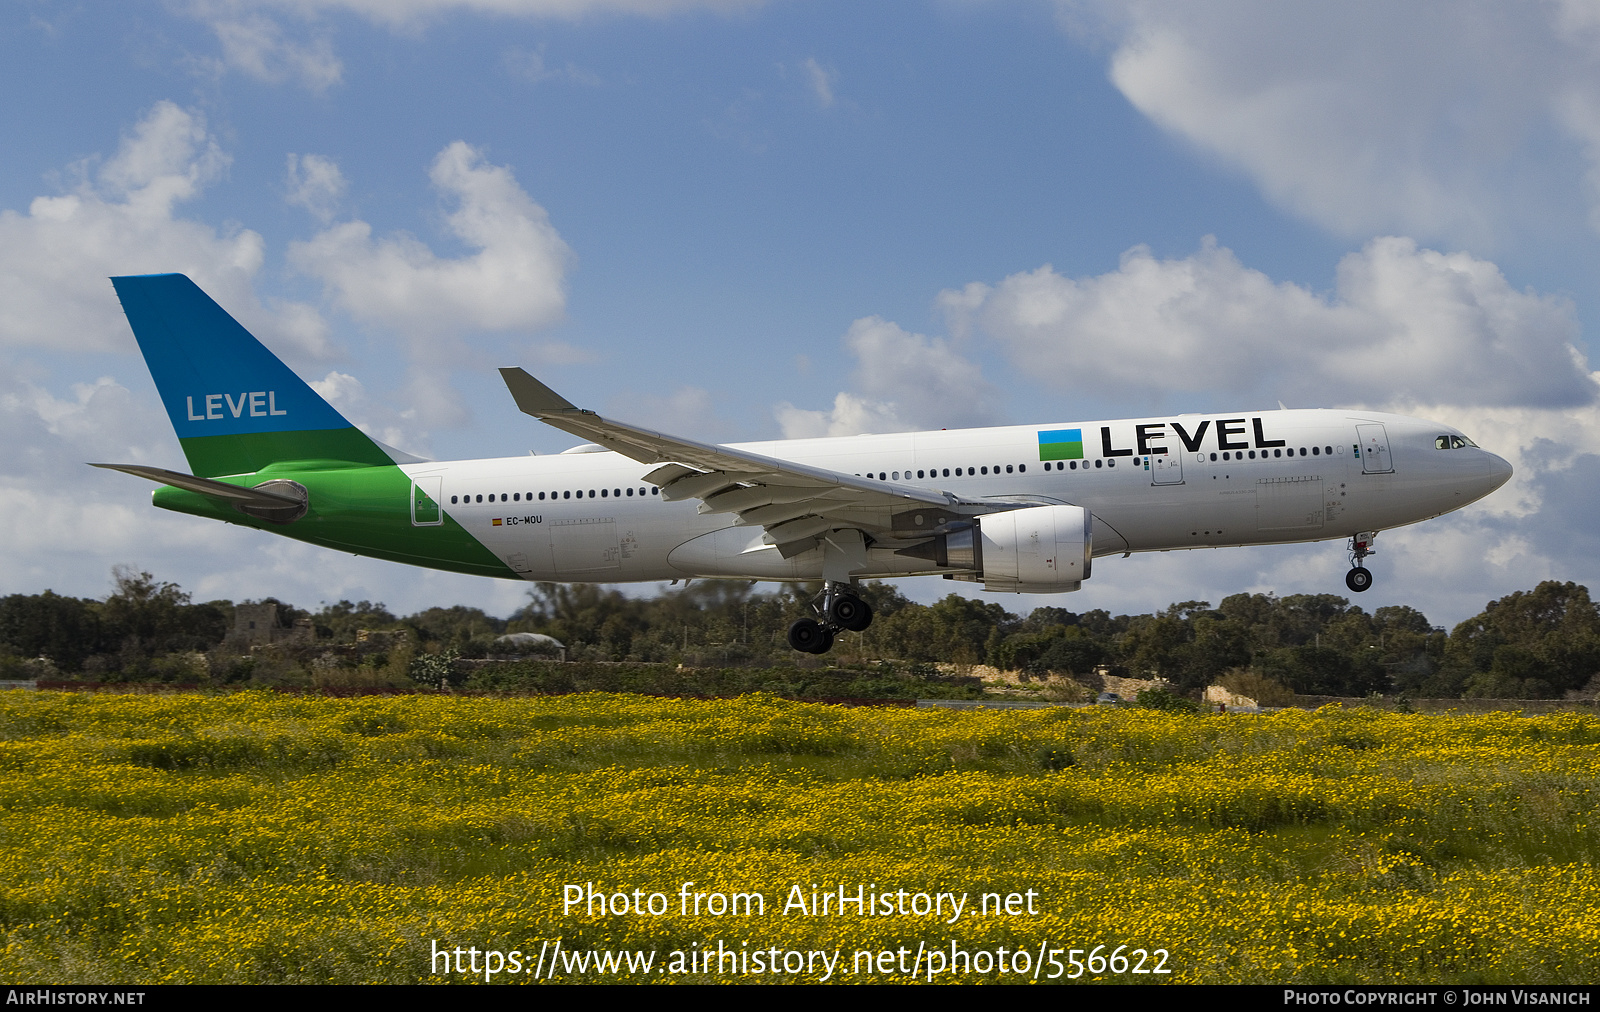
point(1498, 472)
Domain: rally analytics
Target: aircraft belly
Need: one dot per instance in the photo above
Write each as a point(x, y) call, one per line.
point(741, 552)
point(587, 544)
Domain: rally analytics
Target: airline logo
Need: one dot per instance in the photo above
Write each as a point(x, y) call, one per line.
point(1061, 444)
point(253, 403)
point(1149, 437)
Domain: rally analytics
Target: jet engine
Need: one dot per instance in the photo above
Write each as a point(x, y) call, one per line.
point(1036, 550)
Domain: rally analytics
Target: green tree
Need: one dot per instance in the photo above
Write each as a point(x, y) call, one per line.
point(1527, 645)
point(65, 629)
point(343, 620)
point(146, 618)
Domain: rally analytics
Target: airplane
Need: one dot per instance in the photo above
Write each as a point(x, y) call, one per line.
point(1019, 508)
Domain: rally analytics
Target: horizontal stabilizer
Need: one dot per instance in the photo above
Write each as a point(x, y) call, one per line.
point(235, 494)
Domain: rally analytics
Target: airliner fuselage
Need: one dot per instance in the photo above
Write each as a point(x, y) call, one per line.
point(1151, 484)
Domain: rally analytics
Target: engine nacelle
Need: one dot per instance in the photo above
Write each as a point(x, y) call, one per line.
point(1037, 550)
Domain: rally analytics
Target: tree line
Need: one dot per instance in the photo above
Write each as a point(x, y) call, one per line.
point(1543, 643)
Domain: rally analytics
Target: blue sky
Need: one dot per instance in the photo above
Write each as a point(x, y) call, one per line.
point(742, 220)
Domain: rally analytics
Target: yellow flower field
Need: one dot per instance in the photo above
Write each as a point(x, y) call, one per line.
point(257, 837)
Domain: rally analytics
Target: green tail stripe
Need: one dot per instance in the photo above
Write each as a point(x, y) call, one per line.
point(363, 510)
point(249, 452)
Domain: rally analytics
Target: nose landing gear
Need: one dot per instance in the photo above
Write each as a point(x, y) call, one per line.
point(1360, 577)
point(841, 610)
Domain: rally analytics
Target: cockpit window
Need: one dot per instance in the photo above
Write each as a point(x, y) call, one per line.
point(1452, 442)
point(1461, 441)
point(1442, 443)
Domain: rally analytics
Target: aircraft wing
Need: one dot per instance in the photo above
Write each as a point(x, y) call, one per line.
point(794, 502)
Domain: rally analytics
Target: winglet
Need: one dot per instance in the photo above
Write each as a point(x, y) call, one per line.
point(532, 397)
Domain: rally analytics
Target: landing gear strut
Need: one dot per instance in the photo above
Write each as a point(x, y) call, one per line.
point(840, 610)
point(1360, 577)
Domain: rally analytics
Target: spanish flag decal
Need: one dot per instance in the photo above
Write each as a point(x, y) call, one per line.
point(496, 521)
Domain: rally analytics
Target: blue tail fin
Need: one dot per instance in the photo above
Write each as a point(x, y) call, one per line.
point(236, 407)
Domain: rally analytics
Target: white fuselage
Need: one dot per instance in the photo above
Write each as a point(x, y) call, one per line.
point(1152, 484)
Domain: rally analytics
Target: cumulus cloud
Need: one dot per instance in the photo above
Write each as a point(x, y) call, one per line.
point(1402, 324)
point(97, 421)
point(258, 47)
point(1431, 119)
point(122, 218)
point(850, 415)
point(389, 420)
point(56, 512)
point(902, 381)
point(515, 280)
point(316, 184)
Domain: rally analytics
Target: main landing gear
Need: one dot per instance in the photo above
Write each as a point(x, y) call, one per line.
point(1360, 577)
point(841, 611)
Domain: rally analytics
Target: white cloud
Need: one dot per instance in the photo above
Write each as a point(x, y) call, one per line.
point(1431, 119)
point(515, 280)
point(316, 184)
point(925, 378)
point(100, 421)
point(254, 42)
point(1403, 324)
point(398, 427)
point(850, 416)
point(530, 65)
point(904, 381)
point(55, 511)
point(821, 80)
point(258, 47)
point(123, 219)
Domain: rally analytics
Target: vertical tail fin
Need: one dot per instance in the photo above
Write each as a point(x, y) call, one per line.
point(235, 405)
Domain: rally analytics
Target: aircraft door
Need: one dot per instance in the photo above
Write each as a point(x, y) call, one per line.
point(1165, 468)
point(1374, 441)
point(425, 497)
